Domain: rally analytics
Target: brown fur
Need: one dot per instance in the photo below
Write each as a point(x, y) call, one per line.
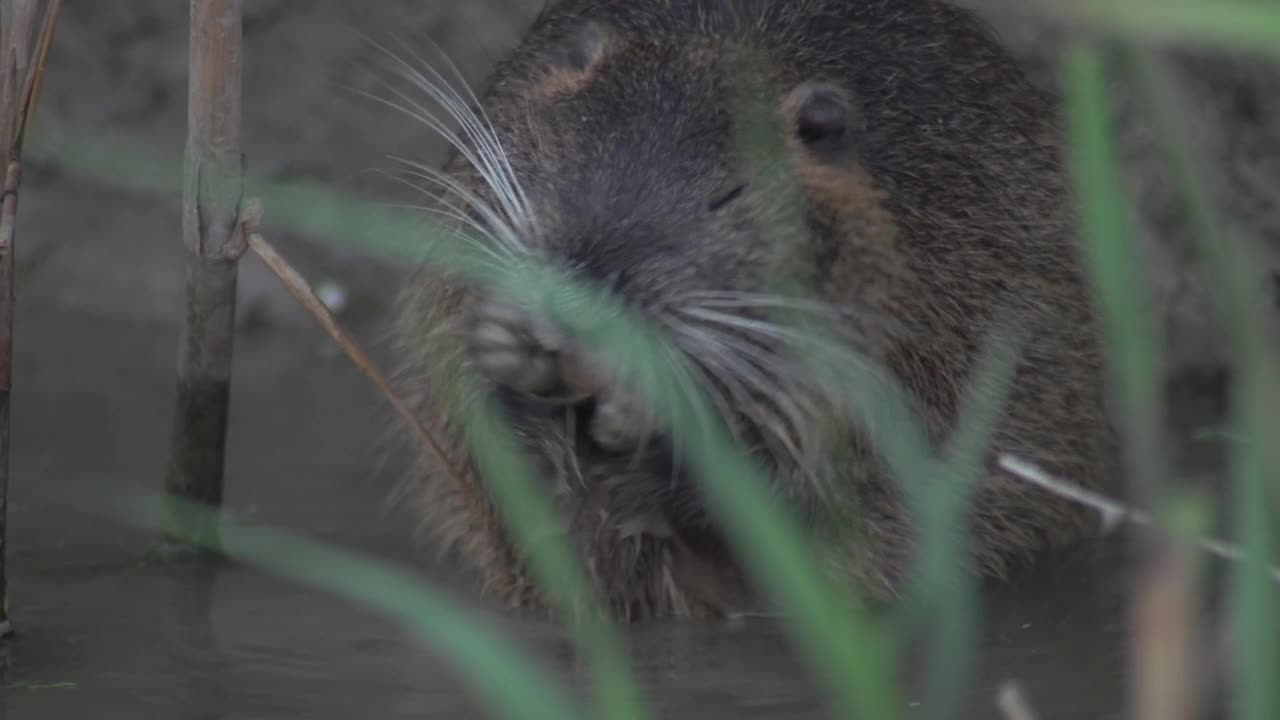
point(941, 203)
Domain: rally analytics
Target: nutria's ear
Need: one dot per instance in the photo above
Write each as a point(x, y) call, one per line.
point(822, 115)
point(573, 61)
point(585, 47)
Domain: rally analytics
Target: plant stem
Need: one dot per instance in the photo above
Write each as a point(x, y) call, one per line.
point(213, 181)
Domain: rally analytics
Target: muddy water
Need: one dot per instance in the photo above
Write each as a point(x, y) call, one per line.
point(107, 634)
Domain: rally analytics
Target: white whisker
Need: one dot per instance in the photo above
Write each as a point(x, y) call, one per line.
point(761, 328)
point(477, 111)
point(454, 212)
point(744, 300)
point(416, 111)
point(485, 153)
point(752, 373)
point(497, 224)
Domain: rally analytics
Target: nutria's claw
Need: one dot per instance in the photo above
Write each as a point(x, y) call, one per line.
point(621, 421)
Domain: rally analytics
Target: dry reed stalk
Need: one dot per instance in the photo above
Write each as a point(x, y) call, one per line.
point(1162, 634)
point(21, 78)
point(212, 192)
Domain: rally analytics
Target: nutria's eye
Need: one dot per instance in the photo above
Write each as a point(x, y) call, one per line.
point(726, 198)
point(821, 113)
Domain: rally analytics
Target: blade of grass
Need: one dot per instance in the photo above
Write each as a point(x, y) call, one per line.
point(1132, 337)
point(943, 573)
point(1235, 280)
point(1136, 367)
point(500, 674)
point(1238, 25)
point(529, 512)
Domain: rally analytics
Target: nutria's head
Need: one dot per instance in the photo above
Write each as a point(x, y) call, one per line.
point(620, 160)
point(625, 166)
point(613, 151)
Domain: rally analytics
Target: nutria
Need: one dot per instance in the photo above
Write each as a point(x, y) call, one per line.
point(934, 196)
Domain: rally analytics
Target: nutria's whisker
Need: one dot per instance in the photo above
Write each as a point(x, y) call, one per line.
point(417, 111)
point(492, 260)
point(753, 376)
point(725, 299)
point(483, 240)
point(498, 226)
point(491, 161)
point(762, 328)
point(473, 115)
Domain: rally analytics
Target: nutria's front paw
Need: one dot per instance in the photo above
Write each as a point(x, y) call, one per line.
point(515, 348)
point(622, 421)
point(525, 352)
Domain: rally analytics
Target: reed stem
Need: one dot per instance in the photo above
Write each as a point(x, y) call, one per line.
point(213, 186)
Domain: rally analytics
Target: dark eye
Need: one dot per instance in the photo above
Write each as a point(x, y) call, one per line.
point(726, 198)
point(822, 115)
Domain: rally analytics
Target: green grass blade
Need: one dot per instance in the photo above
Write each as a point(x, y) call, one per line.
point(1238, 25)
point(528, 511)
point(944, 575)
point(1236, 281)
point(1134, 345)
point(499, 673)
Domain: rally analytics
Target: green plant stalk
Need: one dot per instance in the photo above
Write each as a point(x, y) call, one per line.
point(1237, 25)
point(500, 675)
point(1254, 593)
point(527, 510)
point(1236, 283)
point(944, 572)
point(1115, 267)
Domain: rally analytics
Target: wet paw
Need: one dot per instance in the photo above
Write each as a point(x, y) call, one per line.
point(516, 348)
point(525, 352)
point(621, 422)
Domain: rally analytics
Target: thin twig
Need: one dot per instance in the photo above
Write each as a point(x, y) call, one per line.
point(8, 228)
point(307, 297)
point(35, 78)
point(1113, 512)
point(17, 69)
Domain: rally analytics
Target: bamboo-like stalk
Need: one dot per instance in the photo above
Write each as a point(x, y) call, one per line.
point(21, 77)
point(212, 192)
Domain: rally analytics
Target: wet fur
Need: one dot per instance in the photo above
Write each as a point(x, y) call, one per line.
point(944, 203)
